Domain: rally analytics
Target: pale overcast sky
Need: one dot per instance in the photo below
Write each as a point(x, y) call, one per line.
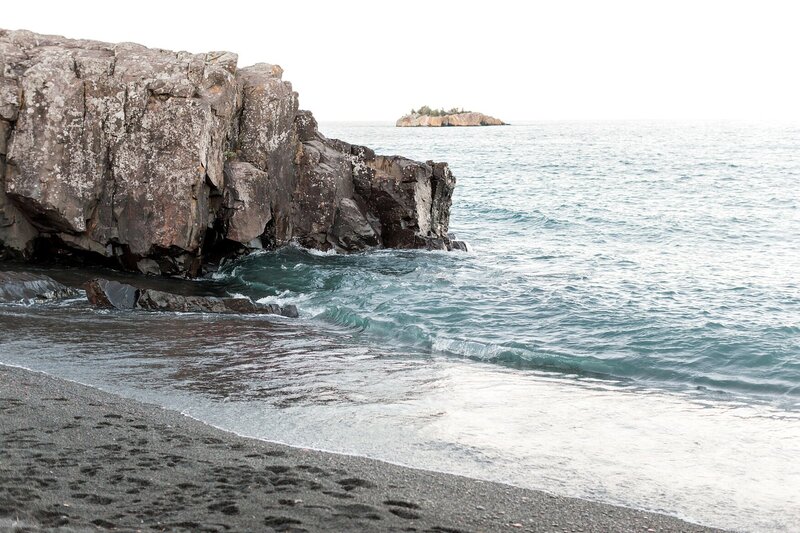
point(517, 60)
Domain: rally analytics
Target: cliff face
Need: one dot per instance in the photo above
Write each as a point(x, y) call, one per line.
point(458, 119)
point(157, 161)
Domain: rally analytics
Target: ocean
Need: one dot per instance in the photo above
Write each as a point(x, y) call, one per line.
point(625, 326)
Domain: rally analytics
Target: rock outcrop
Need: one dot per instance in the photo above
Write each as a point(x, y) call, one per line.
point(26, 287)
point(108, 294)
point(160, 161)
point(457, 119)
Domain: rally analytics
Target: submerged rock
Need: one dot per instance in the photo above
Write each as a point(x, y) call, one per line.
point(159, 161)
point(114, 295)
point(456, 119)
point(28, 287)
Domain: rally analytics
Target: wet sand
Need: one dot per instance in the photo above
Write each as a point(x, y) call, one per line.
point(74, 458)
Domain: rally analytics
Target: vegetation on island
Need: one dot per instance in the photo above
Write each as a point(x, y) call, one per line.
point(425, 110)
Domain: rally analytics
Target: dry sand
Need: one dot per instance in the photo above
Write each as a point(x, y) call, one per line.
point(74, 458)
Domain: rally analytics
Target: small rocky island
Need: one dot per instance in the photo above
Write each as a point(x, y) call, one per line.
point(425, 116)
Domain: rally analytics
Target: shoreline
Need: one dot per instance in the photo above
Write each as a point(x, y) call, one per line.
point(79, 458)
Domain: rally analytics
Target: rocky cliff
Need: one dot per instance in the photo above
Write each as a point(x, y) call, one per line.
point(457, 119)
point(158, 161)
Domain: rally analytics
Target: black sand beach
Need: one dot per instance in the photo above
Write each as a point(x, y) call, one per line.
point(74, 458)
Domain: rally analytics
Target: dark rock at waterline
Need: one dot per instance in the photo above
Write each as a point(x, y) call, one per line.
point(289, 310)
point(157, 161)
point(27, 287)
point(455, 244)
point(245, 305)
point(112, 294)
point(459, 245)
point(154, 300)
point(349, 199)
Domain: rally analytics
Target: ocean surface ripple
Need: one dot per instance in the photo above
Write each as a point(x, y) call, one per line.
point(666, 255)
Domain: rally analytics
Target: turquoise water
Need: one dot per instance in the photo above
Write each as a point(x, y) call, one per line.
point(625, 327)
point(665, 254)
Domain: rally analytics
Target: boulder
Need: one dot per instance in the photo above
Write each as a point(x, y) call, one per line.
point(246, 305)
point(110, 294)
point(158, 161)
point(155, 300)
point(27, 287)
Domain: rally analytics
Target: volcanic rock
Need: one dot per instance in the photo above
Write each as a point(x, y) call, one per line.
point(112, 294)
point(159, 161)
point(108, 294)
point(28, 287)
